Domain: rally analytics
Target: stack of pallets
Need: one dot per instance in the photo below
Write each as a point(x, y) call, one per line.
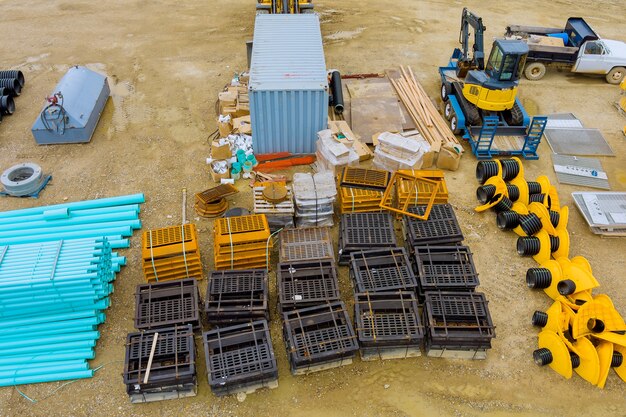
point(319, 337)
point(312, 243)
point(388, 325)
point(306, 283)
point(237, 296)
point(171, 253)
point(363, 231)
point(242, 242)
point(382, 270)
point(417, 193)
point(361, 190)
point(160, 364)
point(458, 324)
point(240, 358)
point(279, 213)
point(167, 304)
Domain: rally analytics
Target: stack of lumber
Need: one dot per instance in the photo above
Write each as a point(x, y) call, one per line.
point(423, 112)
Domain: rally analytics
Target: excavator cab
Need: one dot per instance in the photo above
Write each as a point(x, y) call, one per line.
point(495, 87)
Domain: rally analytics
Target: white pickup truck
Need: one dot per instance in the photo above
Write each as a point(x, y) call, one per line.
point(577, 47)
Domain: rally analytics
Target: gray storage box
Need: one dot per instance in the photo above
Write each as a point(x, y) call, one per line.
point(74, 119)
point(288, 83)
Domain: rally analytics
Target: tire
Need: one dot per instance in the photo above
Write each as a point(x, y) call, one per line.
point(445, 91)
point(454, 124)
point(534, 71)
point(616, 75)
point(448, 110)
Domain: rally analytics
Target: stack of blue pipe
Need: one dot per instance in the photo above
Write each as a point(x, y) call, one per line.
point(55, 286)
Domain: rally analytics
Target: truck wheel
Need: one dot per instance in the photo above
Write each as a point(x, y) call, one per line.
point(454, 124)
point(445, 91)
point(448, 110)
point(616, 75)
point(535, 71)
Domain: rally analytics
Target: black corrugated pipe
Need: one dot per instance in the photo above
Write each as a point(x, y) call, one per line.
point(13, 74)
point(335, 90)
point(7, 105)
point(12, 86)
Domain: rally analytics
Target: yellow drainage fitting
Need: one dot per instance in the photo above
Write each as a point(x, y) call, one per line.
point(553, 352)
point(575, 278)
point(499, 193)
point(541, 211)
point(620, 369)
point(596, 318)
point(537, 246)
point(605, 357)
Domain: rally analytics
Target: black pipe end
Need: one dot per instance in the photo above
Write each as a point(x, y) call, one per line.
point(539, 319)
point(542, 356)
point(575, 360)
point(617, 359)
point(566, 287)
point(528, 245)
point(538, 278)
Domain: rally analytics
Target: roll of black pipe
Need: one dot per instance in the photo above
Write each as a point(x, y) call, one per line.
point(14, 74)
point(336, 91)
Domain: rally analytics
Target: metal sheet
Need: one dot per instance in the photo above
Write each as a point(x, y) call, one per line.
point(580, 162)
point(578, 142)
point(607, 211)
point(288, 86)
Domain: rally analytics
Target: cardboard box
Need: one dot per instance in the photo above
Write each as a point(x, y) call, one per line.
point(220, 151)
point(217, 177)
point(227, 98)
point(225, 128)
point(449, 158)
point(242, 125)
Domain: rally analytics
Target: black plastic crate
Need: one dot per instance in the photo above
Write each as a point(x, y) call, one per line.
point(442, 226)
point(240, 358)
point(388, 319)
point(306, 283)
point(173, 363)
point(319, 337)
point(457, 320)
point(167, 304)
point(382, 270)
point(237, 296)
point(448, 268)
point(365, 231)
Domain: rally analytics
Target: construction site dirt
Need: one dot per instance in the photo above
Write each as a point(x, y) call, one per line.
point(166, 62)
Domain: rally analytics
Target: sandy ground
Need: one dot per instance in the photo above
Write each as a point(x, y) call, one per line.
point(167, 60)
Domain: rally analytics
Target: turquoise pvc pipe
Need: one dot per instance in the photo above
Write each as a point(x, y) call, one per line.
point(61, 376)
point(52, 332)
point(88, 321)
point(35, 365)
point(55, 214)
point(119, 243)
point(134, 224)
point(50, 357)
point(52, 369)
point(94, 335)
point(50, 348)
point(90, 220)
point(47, 317)
point(75, 213)
point(79, 205)
point(100, 305)
point(64, 306)
point(113, 231)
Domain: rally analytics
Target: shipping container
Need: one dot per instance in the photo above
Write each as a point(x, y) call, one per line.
point(288, 85)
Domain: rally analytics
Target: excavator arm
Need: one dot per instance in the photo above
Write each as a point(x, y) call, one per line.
point(476, 60)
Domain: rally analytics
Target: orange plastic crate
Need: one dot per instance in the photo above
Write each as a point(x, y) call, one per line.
point(168, 241)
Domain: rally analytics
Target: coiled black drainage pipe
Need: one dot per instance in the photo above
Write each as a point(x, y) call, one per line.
point(13, 74)
point(617, 360)
point(485, 193)
point(513, 192)
point(540, 319)
point(566, 287)
point(486, 170)
point(503, 205)
point(507, 220)
point(575, 360)
point(13, 86)
point(536, 198)
point(555, 242)
point(555, 217)
point(530, 223)
point(510, 169)
point(538, 278)
point(542, 356)
point(534, 187)
point(7, 105)
point(528, 245)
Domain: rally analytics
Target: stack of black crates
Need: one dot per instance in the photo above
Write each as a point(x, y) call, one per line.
point(317, 330)
point(457, 319)
point(238, 348)
point(160, 361)
point(386, 311)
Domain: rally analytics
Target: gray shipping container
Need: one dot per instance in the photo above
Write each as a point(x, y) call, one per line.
point(288, 83)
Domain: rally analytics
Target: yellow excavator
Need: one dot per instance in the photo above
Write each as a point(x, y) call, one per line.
point(284, 6)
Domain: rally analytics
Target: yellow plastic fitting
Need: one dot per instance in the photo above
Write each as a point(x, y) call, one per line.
point(605, 356)
point(500, 193)
point(596, 318)
point(541, 211)
point(553, 352)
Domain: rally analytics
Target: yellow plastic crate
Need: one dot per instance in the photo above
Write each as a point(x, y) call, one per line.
point(168, 241)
